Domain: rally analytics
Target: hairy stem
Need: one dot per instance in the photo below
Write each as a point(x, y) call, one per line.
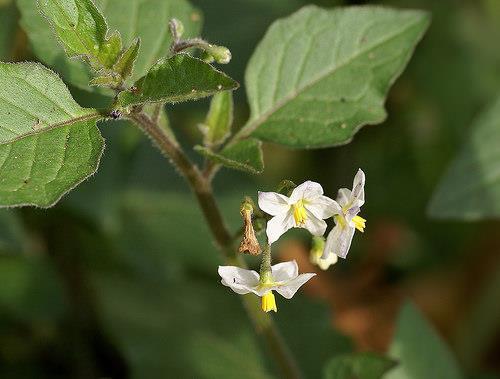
point(202, 189)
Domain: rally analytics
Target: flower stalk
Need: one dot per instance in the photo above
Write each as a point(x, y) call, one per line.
point(201, 186)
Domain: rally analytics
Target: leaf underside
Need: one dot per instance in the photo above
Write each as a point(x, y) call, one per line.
point(48, 143)
point(470, 190)
point(319, 75)
point(419, 350)
point(358, 365)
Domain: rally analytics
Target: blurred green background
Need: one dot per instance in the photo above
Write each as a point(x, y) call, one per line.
point(120, 278)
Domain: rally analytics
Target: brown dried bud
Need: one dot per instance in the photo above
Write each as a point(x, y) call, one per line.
point(249, 243)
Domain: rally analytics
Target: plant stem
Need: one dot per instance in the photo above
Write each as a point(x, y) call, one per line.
point(201, 186)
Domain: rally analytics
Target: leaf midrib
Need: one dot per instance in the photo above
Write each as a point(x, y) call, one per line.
point(251, 126)
point(87, 117)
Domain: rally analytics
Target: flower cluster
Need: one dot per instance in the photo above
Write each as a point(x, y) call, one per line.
point(306, 207)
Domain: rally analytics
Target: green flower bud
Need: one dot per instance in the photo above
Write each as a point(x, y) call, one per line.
point(221, 54)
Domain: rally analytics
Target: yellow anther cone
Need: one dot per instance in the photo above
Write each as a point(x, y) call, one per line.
point(269, 302)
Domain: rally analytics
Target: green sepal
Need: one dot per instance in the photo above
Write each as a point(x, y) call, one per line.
point(245, 155)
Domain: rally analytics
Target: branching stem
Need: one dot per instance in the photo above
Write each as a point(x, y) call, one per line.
point(202, 188)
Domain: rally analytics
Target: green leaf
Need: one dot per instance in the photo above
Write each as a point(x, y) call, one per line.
point(206, 326)
point(245, 155)
point(8, 24)
point(175, 79)
point(419, 351)
point(240, 356)
point(48, 143)
point(217, 126)
point(48, 49)
point(13, 237)
point(105, 81)
point(358, 365)
point(125, 64)
point(31, 290)
point(132, 18)
point(148, 20)
point(307, 328)
point(320, 75)
point(82, 29)
point(470, 189)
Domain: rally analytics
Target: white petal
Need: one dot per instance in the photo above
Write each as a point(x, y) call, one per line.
point(238, 279)
point(350, 214)
point(290, 288)
point(278, 225)
point(285, 271)
point(316, 226)
point(307, 190)
point(344, 196)
point(358, 188)
point(338, 241)
point(323, 207)
point(273, 203)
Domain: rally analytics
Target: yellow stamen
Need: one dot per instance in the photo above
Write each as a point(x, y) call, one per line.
point(359, 223)
point(299, 213)
point(269, 302)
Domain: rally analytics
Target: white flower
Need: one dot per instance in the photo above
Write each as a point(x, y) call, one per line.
point(285, 280)
point(305, 208)
point(346, 222)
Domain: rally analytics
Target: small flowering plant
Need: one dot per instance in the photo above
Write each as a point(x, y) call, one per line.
point(306, 207)
point(141, 63)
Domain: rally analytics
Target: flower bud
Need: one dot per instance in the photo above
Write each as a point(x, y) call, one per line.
point(221, 54)
point(249, 243)
point(318, 244)
point(176, 28)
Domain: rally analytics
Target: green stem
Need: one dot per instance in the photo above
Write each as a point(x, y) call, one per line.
point(201, 186)
point(265, 265)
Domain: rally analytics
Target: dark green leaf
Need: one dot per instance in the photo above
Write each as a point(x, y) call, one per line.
point(12, 235)
point(319, 75)
point(245, 155)
point(470, 190)
point(175, 79)
point(217, 126)
point(30, 289)
point(419, 351)
point(8, 24)
point(48, 143)
point(359, 366)
point(307, 328)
